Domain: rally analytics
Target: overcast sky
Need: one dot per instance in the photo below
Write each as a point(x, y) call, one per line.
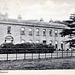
point(36, 9)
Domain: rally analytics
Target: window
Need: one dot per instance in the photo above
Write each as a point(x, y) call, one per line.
point(56, 33)
point(30, 41)
point(22, 31)
point(56, 44)
point(50, 42)
point(23, 41)
point(9, 30)
point(30, 31)
point(9, 39)
point(37, 32)
point(37, 41)
point(50, 32)
point(62, 45)
point(44, 41)
point(60, 34)
point(44, 32)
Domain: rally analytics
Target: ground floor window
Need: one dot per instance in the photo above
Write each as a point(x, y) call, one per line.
point(44, 41)
point(9, 39)
point(50, 42)
point(23, 41)
point(30, 41)
point(56, 44)
point(62, 45)
point(37, 41)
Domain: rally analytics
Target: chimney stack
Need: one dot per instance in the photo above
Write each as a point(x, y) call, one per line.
point(41, 19)
point(19, 17)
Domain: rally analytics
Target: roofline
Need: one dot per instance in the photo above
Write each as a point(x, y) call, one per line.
point(34, 25)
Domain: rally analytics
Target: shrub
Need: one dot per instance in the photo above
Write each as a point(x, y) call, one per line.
point(26, 48)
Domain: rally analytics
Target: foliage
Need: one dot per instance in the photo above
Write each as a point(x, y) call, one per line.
point(26, 48)
point(70, 31)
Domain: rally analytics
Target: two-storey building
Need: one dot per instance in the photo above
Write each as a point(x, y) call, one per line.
point(32, 31)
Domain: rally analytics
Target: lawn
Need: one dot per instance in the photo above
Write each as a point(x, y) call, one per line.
point(39, 64)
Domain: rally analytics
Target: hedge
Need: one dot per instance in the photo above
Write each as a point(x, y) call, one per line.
point(26, 48)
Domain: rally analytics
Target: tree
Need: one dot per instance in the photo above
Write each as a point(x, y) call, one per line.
point(70, 31)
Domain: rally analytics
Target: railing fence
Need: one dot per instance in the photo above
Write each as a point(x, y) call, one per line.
point(55, 54)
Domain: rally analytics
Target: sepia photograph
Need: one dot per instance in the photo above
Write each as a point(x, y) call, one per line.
point(37, 35)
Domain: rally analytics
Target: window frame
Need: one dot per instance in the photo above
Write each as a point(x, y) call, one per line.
point(30, 32)
point(56, 44)
point(8, 29)
point(50, 42)
point(22, 41)
point(37, 41)
point(37, 31)
point(50, 32)
point(56, 33)
point(30, 41)
point(62, 45)
point(44, 32)
point(22, 31)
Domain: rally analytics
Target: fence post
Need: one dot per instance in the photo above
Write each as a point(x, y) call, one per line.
point(71, 53)
point(39, 56)
point(32, 56)
point(62, 52)
point(16, 56)
point(51, 55)
point(57, 53)
point(24, 55)
point(67, 53)
point(7, 56)
point(7, 53)
point(45, 55)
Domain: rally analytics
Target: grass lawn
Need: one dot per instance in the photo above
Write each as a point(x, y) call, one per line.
point(40, 64)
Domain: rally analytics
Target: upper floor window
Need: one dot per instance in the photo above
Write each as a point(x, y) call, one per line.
point(22, 31)
point(30, 31)
point(50, 32)
point(37, 32)
point(56, 33)
point(9, 30)
point(44, 32)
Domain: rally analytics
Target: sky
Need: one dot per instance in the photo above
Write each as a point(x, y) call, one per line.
point(37, 9)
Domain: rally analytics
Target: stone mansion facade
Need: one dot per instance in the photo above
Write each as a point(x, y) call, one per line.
point(32, 31)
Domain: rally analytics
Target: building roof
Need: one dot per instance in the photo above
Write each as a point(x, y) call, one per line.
point(31, 22)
